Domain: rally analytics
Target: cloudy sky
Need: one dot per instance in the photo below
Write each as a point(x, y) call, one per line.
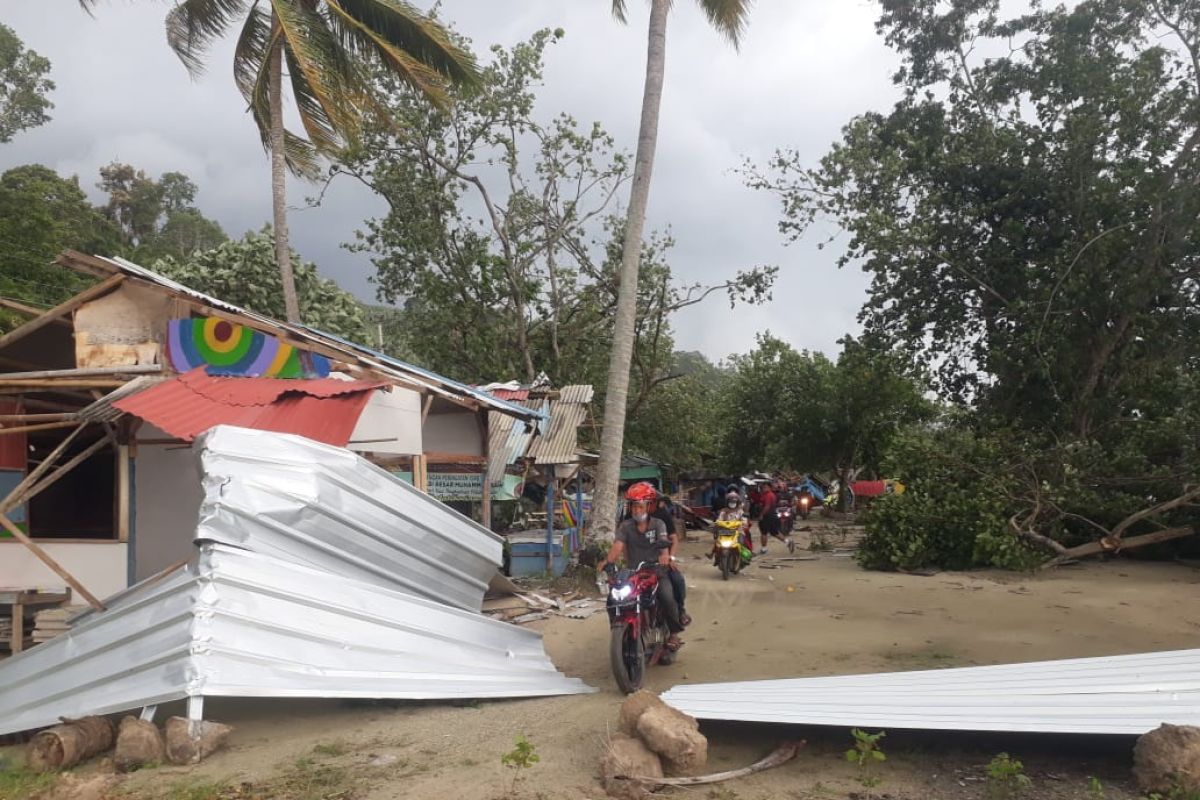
point(805, 67)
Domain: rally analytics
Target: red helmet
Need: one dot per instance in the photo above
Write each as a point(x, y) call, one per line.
point(641, 492)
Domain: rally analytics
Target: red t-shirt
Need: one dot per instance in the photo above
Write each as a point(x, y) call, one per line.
point(768, 501)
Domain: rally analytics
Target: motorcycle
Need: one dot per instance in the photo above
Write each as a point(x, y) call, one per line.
point(638, 627)
point(729, 555)
point(787, 518)
point(805, 505)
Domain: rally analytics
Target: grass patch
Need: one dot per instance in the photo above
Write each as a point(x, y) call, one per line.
point(191, 789)
point(332, 749)
point(17, 783)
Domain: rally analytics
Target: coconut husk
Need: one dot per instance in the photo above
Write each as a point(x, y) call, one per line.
point(139, 744)
point(70, 743)
point(183, 749)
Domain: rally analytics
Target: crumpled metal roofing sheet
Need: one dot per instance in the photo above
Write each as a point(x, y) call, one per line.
point(330, 509)
point(567, 413)
point(238, 624)
point(325, 409)
point(1128, 694)
point(407, 374)
point(300, 587)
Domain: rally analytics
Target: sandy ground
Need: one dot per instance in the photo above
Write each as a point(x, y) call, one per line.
point(810, 618)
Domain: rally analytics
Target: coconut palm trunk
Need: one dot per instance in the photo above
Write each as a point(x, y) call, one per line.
point(616, 397)
point(283, 252)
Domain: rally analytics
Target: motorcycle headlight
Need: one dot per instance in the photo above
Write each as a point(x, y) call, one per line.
point(621, 593)
point(727, 544)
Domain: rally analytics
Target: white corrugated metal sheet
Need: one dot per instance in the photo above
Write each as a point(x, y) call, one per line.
point(326, 507)
point(302, 586)
point(1128, 694)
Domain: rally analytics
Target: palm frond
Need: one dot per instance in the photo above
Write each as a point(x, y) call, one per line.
point(357, 37)
point(301, 156)
point(395, 27)
point(728, 17)
point(336, 81)
point(321, 132)
point(619, 11)
point(193, 24)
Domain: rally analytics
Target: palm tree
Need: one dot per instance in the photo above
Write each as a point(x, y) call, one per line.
point(331, 48)
point(729, 18)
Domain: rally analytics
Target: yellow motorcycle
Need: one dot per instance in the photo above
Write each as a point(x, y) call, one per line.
point(729, 554)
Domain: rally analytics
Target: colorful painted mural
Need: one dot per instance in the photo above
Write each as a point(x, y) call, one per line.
point(230, 349)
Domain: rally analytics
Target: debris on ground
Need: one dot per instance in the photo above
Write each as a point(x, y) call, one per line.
point(626, 755)
point(1167, 760)
point(70, 743)
point(139, 744)
point(183, 748)
point(675, 737)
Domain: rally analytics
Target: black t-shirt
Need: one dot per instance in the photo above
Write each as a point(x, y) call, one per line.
point(665, 515)
point(640, 546)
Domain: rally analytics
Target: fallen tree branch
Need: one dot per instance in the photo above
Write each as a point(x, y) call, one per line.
point(1111, 544)
point(782, 754)
point(1182, 500)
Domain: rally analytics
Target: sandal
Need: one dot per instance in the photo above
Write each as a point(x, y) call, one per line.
point(674, 643)
point(685, 619)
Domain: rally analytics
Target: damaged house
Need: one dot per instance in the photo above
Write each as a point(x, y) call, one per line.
point(101, 396)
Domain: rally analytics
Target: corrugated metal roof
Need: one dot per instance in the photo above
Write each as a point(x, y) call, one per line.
point(305, 605)
point(559, 445)
point(328, 508)
point(325, 410)
point(509, 394)
point(1128, 694)
point(404, 374)
point(102, 410)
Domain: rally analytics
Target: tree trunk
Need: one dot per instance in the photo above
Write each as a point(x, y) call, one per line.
point(283, 253)
point(612, 437)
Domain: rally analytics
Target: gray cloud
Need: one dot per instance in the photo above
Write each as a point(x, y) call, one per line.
point(804, 68)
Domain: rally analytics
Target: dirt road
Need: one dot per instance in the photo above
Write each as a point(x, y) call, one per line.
point(817, 617)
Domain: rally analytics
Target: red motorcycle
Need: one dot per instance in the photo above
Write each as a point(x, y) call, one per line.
point(639, 631)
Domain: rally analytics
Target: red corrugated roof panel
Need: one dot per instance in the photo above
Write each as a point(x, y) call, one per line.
point(324, 410)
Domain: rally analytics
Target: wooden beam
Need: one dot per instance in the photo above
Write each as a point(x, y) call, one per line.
point(88, 265)
point(50, 384)
point(13, 498)
point(123, 486)
point(434, 457)
point(425, 408)
point(27, 418)
point(485, 511)
point(82, 372)
point(29, 311)
point(65, 307)
point(46, 559)
point(32, 491)
point(47, 426)
point(1112, 545)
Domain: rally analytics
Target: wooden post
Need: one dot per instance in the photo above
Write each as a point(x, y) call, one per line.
point(17, 640)
point(550, 481)
point(46, 559)
point(485, 483)
point(122, 493)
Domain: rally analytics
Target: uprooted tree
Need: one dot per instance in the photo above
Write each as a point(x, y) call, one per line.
point(1028, 212)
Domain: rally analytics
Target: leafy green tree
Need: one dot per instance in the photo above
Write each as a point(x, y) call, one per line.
point(789, 409)
point(529, 285)
point(23, 86)
point(330, 47)
point(41, 214)
point(1028, 213)
point(729, 18)
point(680, 421)
point(243, 272)
point(156, 217)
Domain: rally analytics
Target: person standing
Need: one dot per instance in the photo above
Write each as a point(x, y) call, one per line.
point(768, 521)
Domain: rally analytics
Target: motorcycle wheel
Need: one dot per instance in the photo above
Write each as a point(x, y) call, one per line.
point(729, 564)
point(627, 655)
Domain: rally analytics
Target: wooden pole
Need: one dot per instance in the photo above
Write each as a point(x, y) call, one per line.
point(123, 493)
point(46, 559)
point(65, 307)
point(14, 496)
point(34, 384)
point(62, 416)
point(29, 493)
point(485, 512)
point(47, 426)
point(82, 372)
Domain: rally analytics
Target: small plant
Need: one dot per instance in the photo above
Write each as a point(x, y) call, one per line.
point(1006, 777)
point(1095, 788)
point(819, 544)
point(865, 753)
point(1177, 792)
point(331, 749)
point(522, 757)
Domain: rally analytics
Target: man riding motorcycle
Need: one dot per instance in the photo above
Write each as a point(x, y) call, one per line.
point(638, 539)
point(734, 511)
